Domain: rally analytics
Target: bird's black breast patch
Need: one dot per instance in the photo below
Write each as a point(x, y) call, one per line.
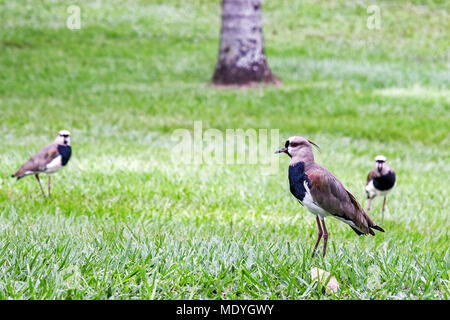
point(65, 152)
point(297, 178)
point(385, 182)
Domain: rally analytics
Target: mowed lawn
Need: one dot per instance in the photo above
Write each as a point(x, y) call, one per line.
point(127, 222)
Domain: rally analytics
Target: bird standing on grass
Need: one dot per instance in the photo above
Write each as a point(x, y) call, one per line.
point(321, 193)
point(380, 182)
point(49, 159)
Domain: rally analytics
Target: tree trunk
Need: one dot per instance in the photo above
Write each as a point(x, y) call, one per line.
point(241, 55)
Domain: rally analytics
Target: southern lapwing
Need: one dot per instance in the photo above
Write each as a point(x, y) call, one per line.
point(380, 182)
point(48, 160)
point(321, 193)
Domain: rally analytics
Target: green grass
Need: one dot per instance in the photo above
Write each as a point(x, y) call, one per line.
point(125, 222)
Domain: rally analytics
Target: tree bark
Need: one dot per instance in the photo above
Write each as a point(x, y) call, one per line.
point(242, 60)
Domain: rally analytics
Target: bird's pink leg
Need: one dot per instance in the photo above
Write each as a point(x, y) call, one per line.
point(368, 206)
point(49, 185)
point(382, 209)
point(319, 236)
point(325, 237)
point(39, 181)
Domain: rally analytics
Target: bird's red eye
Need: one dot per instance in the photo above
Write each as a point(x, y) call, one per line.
point(293, 144)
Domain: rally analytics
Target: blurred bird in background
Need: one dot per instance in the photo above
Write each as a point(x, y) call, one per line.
point(380, 182)
point(49, 160)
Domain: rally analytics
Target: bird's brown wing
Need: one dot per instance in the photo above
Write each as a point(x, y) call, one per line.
point(372, 174)
point(38, 161)
point(331, 195)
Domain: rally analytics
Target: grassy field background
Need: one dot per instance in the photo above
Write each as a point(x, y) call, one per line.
point(126, 222)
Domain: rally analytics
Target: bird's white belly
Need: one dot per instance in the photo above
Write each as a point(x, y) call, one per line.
point(372, 191)
point(310, 205)
point(54, 165)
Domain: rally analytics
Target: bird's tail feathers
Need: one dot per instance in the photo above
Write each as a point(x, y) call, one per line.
point(359, 233)
point(377, 228)
point(19, 175)
point(16, 176)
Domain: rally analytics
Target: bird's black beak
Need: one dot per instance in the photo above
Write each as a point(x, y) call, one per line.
point(284, 149)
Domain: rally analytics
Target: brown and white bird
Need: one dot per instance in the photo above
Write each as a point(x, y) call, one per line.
point(49, 160)
point(380, 182)
point(321, 193)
